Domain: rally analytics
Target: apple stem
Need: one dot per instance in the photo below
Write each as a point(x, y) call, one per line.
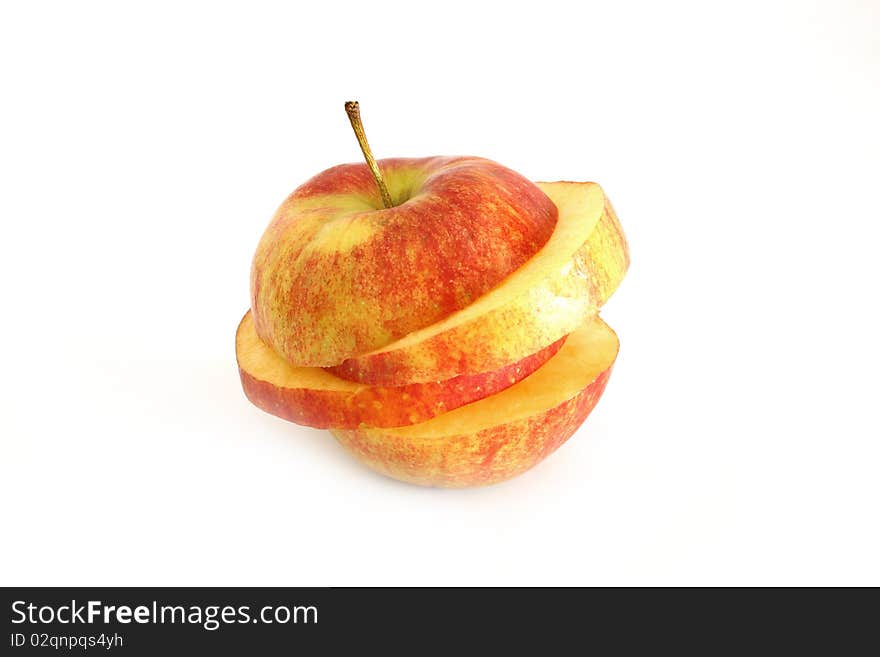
point(353, 109)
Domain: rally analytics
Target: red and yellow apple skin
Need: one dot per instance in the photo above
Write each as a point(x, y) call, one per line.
point(336, 274)
point(608, 256)
point(535, 313)
point(499, 436)
point(488, 457)
point(312, 397)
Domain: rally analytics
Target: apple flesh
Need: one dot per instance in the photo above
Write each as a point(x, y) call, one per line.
point(313, 397)
point(501, 435)
point(563, 285)
point(336, 274)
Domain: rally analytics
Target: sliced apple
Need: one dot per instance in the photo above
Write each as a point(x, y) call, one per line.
point(502, 435)
point(315, 398)
point(551, 295)
point(336, 274)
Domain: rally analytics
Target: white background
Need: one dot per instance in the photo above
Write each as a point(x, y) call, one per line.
point(144, 149)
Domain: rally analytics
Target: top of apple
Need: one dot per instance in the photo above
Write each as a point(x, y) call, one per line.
point(337, 273)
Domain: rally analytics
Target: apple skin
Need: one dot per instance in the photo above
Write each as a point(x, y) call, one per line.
point(487, 457)
point(269, 383)
point(539, 316)
point(336, 274)
point(609, 256)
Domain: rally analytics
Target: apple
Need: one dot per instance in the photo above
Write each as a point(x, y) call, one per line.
point(439, 315)
point(336, 274)
point(313, 397)
point(563, 285)
point(501, 435)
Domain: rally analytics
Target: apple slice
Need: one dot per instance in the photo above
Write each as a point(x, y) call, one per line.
point(315, 398)
point(551, 295)
point(336, 274)
point(500, 436)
